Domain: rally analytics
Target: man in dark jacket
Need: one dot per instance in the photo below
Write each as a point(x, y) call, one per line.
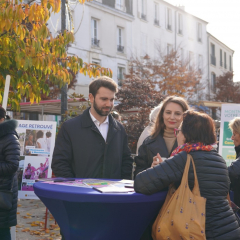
point(94, 144)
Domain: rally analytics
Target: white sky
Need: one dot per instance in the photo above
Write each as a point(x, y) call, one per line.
point(223, 17)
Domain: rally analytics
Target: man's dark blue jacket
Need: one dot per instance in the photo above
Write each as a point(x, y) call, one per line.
point(81, 151)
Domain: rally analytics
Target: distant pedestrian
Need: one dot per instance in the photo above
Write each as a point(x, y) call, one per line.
point(9, 162)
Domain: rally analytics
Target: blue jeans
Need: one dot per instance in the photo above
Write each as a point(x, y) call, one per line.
point(5, 234)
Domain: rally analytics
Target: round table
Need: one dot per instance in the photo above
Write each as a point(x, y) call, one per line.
point(84, 213)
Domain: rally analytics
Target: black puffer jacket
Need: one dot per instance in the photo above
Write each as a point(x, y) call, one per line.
point(9, 161)
point(234, 174)
point(148, 150)
point(214, 183)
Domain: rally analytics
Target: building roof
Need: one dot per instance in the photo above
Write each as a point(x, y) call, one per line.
point(219, 41)
point(180, 8)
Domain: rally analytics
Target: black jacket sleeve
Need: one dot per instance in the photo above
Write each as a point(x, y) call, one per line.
point(157, 178)
point(143, 160)
point(62, 155)
point(127, 161)
point(234, 172)
point(11, 154)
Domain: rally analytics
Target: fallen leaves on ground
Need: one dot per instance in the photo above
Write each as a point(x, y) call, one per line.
point(26, 217)
point(26, 230)
point(19, 226)
point(36, 228)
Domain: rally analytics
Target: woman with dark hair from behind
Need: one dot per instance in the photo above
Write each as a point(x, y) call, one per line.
point(196, 136)
point(162, 139)
point(234, 168)
point(9, 162)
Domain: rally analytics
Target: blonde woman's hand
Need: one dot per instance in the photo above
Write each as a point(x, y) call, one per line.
point(156, 160)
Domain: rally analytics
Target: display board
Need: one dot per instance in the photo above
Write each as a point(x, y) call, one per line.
point(37, 140)
point(226, 146)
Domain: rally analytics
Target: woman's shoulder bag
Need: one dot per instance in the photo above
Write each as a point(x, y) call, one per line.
point(183, 213)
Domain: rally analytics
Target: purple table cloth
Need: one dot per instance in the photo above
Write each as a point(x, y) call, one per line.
point(84, 213)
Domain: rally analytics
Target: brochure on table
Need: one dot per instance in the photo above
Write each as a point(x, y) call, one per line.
point(226, 146)
point(104, 186)
point(37, 140)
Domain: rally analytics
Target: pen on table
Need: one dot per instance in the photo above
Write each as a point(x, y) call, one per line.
point(64, 180)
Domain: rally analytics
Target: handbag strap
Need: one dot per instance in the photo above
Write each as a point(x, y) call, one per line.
point(195, 190)
point(185, 173)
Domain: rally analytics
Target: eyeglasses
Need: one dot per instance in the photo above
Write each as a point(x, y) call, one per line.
point(176, 131)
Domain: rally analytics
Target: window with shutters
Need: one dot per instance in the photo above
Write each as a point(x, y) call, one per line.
point(225, 60)
point(212, 56)
point(156, 14)
point(95, 40)
point(169, 19)
point(180, 23)
point(199, 32)
point(120, 75)
point(213, 82)
point(221, 58)
point(120, 45)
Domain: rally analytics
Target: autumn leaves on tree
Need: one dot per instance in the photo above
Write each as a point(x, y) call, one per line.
point(137, 97)
point(226, 89)
point(31, 56)
point(148, 82)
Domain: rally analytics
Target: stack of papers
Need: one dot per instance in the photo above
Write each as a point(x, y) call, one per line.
point(114, 189)
point(101, 185)
point(123, 186)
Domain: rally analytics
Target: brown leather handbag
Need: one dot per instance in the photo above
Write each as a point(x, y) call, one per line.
point(183, 213)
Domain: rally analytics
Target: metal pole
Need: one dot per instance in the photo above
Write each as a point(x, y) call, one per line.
point(64, 106)
point(6, 91)
point(42, 111)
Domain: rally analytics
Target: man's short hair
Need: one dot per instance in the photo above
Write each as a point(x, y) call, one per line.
point(102, 81)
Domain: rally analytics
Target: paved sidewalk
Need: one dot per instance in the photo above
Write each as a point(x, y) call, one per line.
point(30, 217)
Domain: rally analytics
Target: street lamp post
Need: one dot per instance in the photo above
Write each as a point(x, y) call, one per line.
point(64, 89)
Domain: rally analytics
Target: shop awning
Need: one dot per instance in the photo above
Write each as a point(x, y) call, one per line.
point(52, 107)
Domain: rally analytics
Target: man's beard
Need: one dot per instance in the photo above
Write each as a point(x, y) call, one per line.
point(100, 111)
